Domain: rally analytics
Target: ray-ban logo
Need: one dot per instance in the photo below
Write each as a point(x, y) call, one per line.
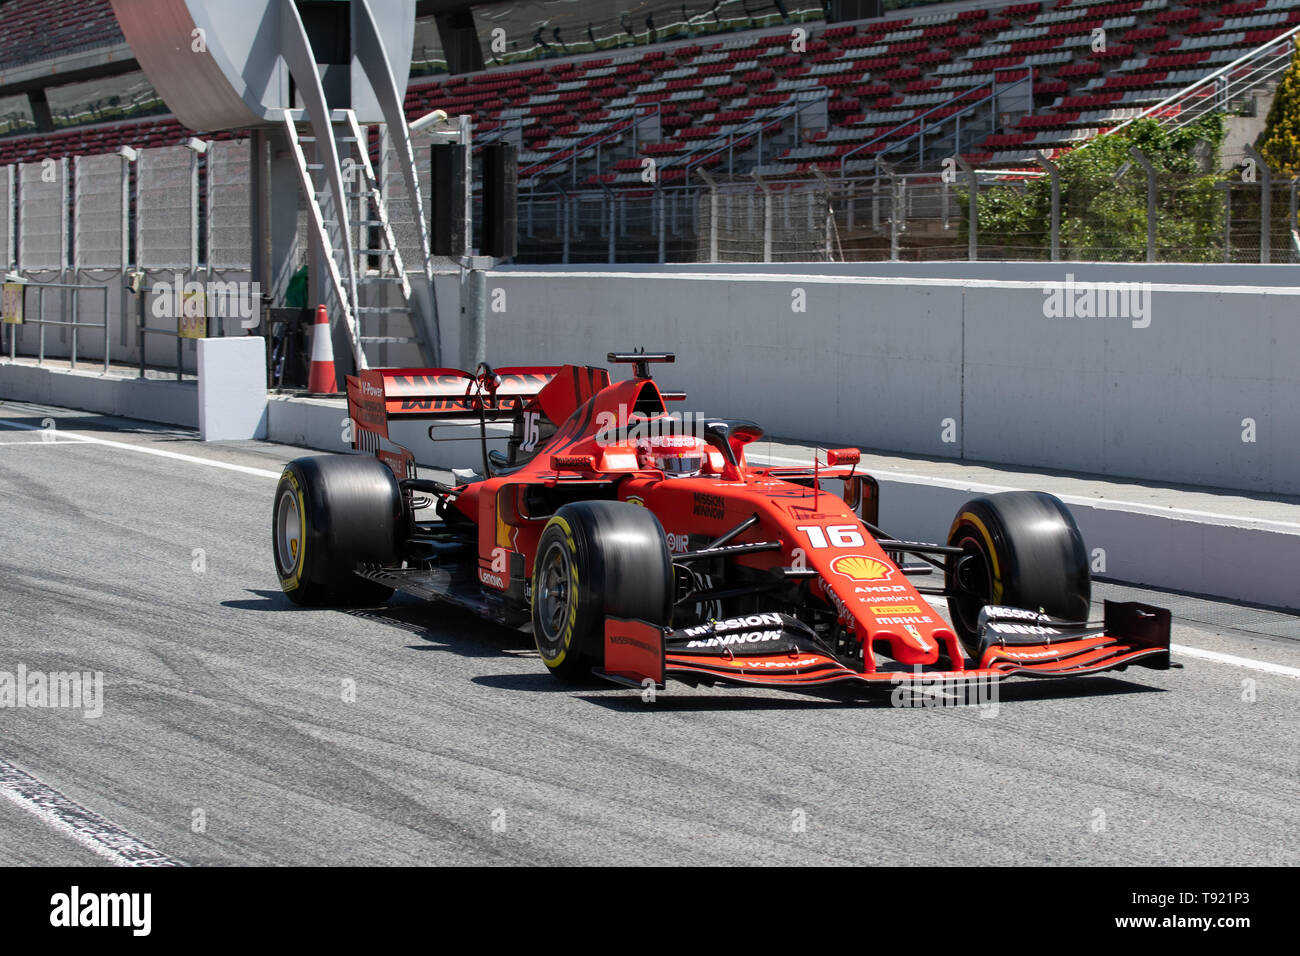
point(1098, 300)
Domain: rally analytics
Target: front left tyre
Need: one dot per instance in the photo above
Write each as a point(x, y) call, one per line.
point(333, 514)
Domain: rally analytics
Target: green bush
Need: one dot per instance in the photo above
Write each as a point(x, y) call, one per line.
point(1104, 218)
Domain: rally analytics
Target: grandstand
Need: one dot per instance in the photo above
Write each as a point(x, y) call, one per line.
point(707, 92)
point(879, 76)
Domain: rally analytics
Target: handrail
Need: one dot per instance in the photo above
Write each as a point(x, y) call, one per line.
point(758, 123)
point(991, 86)
point(961, 112)
point(1192, 87)
point(76, 324)
point(790, 180)
point(621, 127)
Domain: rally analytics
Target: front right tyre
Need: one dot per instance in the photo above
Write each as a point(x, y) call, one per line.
point(1019, 548)
point(596, 558)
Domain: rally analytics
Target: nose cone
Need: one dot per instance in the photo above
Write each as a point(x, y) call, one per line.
point(908, 645)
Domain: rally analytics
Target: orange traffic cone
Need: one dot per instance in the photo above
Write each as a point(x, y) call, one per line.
point(322, 380)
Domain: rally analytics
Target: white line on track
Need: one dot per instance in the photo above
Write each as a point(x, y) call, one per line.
point(41, 442)
point(1265, 666)
point(1236, 661)
point(94, 832)
point(149, 450)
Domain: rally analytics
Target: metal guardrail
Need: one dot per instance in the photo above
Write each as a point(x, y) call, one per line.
point(143, 331)
point(903, 215)
point(76, 324)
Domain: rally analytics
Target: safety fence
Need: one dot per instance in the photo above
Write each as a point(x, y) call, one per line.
point(132, 255)
point(18, 310)
point(1247, 214)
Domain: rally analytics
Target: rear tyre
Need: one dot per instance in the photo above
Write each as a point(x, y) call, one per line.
point(332, 514)
point(1020, 548)
point(596, 558)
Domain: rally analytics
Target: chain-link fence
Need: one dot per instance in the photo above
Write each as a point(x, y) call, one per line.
point(402, 209)
point(71, 227)
point(80, 216)
point(1132, 216)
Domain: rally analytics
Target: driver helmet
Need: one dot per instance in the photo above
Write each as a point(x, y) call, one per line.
point(677, 456)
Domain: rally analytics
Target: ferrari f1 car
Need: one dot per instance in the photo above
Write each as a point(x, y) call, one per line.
point(640, 544)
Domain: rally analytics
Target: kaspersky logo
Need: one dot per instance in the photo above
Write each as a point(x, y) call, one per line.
point(859, 567)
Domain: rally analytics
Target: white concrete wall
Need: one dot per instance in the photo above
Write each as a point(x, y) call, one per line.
point(1200, 273)
point(151, 400)
point(884, 362)
point(1218, 555)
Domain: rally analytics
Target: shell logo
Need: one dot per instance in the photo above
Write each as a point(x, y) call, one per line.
point(858, 567)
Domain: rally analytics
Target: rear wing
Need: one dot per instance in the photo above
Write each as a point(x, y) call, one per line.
point(377, 395)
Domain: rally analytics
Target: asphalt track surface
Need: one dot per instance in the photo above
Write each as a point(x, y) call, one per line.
point(227, 736)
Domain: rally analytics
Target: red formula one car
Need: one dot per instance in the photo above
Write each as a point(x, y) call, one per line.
point(639, 544)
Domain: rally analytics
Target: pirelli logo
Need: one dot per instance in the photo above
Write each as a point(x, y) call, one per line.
point(897, 609)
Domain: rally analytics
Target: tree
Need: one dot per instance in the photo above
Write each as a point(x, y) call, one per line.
point(1280, 144)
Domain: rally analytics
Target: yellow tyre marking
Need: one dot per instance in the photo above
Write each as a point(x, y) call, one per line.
point(992, 551)
point(573, 590)
point(295, 579)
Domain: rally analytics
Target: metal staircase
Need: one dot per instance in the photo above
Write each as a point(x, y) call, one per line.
point(367, 289)
point(369, 285)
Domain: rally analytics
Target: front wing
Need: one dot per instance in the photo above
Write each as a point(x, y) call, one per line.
point(637, 652)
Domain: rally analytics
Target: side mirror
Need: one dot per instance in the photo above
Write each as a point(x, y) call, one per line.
point(862, 494)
